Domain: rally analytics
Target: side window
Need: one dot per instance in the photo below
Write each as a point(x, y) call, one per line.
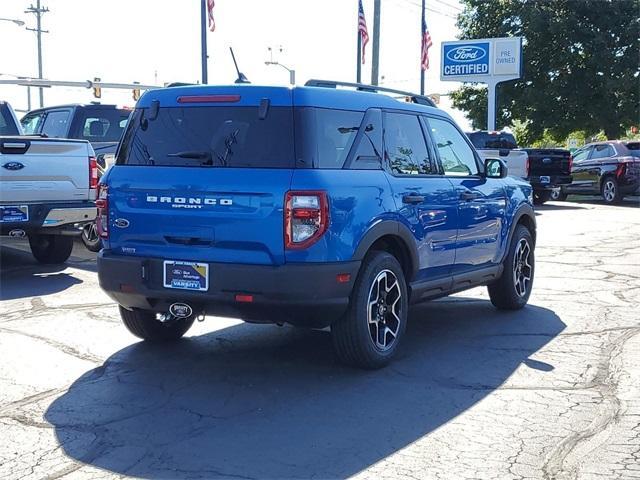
point(335, 132)
point(55, 123)
point(602, 151)
point(455, 153)
point(581, 155)
point(367, 151)
point(406, 150)
point(30, 123)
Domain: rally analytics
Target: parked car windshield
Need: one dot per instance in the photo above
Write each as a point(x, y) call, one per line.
point(492, 140)
point(7, 123)
point(210, 136)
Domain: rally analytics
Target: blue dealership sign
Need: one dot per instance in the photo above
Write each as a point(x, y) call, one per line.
point(468, 59)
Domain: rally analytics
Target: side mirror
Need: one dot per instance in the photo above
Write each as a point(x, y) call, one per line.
point(495, 168)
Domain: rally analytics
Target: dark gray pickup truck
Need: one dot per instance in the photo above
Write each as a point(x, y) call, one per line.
point(545, 168)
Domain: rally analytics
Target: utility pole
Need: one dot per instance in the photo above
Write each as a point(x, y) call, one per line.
point(38, 10)
point(376, 42)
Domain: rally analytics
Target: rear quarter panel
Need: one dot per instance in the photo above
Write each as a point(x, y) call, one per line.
point(358, 200)
point(519, 200)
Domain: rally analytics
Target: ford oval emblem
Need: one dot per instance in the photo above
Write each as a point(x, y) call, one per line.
point(13, 166)
point(546, 160)
point(121, 222)
point(180, 310)
point(468, 53)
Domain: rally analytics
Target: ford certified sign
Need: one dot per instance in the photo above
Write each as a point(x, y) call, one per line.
point(469, 59)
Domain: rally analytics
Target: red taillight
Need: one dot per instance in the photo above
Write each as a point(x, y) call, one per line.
point(93, 173)
point(102, 219)
point(570, 163)
point(527, 166)
point(621, 169)
point(306, 218)
point(208, 98)
point(244, 298)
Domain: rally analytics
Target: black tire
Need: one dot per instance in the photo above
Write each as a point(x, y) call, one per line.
point(541, 197)
point(51, 249)
point(353, 334)
point(557, 194)
point(90, 237)
point(508, 293)
point(610, 191)
point(143, 324)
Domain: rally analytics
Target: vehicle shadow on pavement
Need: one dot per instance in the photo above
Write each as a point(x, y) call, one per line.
point(266, 402)
point(22, 276)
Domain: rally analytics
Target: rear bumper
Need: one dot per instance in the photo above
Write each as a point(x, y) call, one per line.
point(555, 181)
point(54, 218)
point(299, 294)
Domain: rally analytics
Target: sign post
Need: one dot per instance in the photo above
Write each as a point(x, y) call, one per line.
point(489, 60)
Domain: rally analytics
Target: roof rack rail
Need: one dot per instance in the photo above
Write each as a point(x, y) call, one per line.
point(415, 98)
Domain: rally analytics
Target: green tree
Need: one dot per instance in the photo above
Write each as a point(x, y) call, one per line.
point(581, 65)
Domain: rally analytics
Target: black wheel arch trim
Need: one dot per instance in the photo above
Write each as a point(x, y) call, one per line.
point(392, 228)
point(524, 210)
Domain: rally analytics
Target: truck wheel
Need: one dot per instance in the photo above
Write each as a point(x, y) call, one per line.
point(143, 324)
point(541, 197)
point(370, 331)
point(610, 191)
point(512, 290)
point(50, 249)
point(558, 194)
point(90, 237)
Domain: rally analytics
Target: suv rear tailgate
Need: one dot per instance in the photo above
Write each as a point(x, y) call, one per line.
point(203, 177)
point(206, 214)
point(43, 170)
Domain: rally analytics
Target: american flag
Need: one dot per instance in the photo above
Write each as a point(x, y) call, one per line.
point(362, 28)
point(212, 22)
point(426, 43)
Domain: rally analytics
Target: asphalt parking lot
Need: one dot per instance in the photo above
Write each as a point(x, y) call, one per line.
point(550, 392)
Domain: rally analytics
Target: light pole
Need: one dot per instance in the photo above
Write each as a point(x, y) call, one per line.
point(292, 73)
point(20, 23)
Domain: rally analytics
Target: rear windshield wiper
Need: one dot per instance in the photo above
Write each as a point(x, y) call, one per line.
point(194, 154)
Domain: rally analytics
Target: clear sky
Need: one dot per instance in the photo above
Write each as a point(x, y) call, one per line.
point(158, 41)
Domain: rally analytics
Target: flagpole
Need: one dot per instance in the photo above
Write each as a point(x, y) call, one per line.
point(359, 53)
point(422, 24)
point(203, 40)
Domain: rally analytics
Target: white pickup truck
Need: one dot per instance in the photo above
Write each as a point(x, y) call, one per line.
point(47, 189)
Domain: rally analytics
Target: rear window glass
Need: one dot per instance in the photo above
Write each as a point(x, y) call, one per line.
point(210, 136)
point(634, 149)
point(492, 140)
point(7, 123)
point(101, 124)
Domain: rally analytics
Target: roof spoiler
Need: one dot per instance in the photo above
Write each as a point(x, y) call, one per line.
point(414, 97)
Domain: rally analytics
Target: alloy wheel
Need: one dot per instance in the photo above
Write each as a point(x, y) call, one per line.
point(384, 310)
point(522, 269)
point(609, 191)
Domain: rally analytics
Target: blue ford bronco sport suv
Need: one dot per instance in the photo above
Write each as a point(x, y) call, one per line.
point(316, 206)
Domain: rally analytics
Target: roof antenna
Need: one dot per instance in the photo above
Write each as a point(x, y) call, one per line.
point(241, 78)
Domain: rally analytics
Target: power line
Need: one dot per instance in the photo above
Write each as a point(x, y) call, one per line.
point(433, 10)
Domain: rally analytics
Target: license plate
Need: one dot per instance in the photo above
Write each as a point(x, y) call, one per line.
point(186, 275)
point(14, 213)
point(545, 180)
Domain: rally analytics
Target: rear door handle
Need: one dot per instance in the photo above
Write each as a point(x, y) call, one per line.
point(469, 195)
point(413, 198)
